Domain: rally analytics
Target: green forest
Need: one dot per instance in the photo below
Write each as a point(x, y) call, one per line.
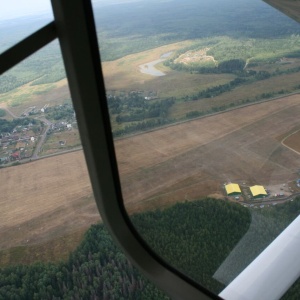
point(61, 112)
point(8, 126)
point(129, 28)
point(194, 237)
point(132, 112)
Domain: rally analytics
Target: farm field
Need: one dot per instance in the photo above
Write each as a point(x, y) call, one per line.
point(44, 200)
point(37, 95)
point(199, 94)
point(48, 203)
point(123, 76)
point(236, 96)
point(292, 141)
point(51, 198)
point(194, 159)
point(61, 141)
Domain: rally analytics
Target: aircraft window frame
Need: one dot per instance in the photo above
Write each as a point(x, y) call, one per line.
point(74, 26)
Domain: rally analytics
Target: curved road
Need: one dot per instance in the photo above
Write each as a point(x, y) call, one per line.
point(41, 138)
point(283, 144)
point(149, 68)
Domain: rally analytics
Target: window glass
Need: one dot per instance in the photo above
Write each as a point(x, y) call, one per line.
point(203, 99)
point(52, 240)
point(41, 197)
point(19, 19)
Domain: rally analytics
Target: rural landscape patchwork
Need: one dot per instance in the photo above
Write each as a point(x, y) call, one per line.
point(204, 103)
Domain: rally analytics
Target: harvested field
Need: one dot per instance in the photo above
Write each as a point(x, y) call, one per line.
point(292, 141)
point(195, 158)
point(70, 139)
point(52, 197)
point(45, 199)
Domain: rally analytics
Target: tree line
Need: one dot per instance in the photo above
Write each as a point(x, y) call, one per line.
point(97, 269)
point(195, 237)
point(229, 66)
point(157, 109)
point(141, 126)
point(139, 113)
point(60, 112)
point(7, 126)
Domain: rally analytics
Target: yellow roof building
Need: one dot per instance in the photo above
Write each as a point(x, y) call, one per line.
point(258, 190)
point(232, 188)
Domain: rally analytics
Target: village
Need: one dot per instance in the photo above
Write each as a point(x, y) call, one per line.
point(23, 139)
point(19, 143)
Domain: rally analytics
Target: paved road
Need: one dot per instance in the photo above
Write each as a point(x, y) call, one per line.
point(27, 160)
point(42, 137)
point(40, 143)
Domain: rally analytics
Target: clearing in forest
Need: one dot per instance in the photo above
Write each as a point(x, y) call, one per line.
point(199, 56)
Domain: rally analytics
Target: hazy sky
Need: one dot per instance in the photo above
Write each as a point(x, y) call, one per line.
point(17, 8)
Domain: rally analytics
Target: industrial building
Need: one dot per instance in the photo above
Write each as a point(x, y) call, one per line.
point(233, 189)
point(258, 191)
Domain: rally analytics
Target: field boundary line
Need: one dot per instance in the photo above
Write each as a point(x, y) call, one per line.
point(283, 144)
point(206, 116)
